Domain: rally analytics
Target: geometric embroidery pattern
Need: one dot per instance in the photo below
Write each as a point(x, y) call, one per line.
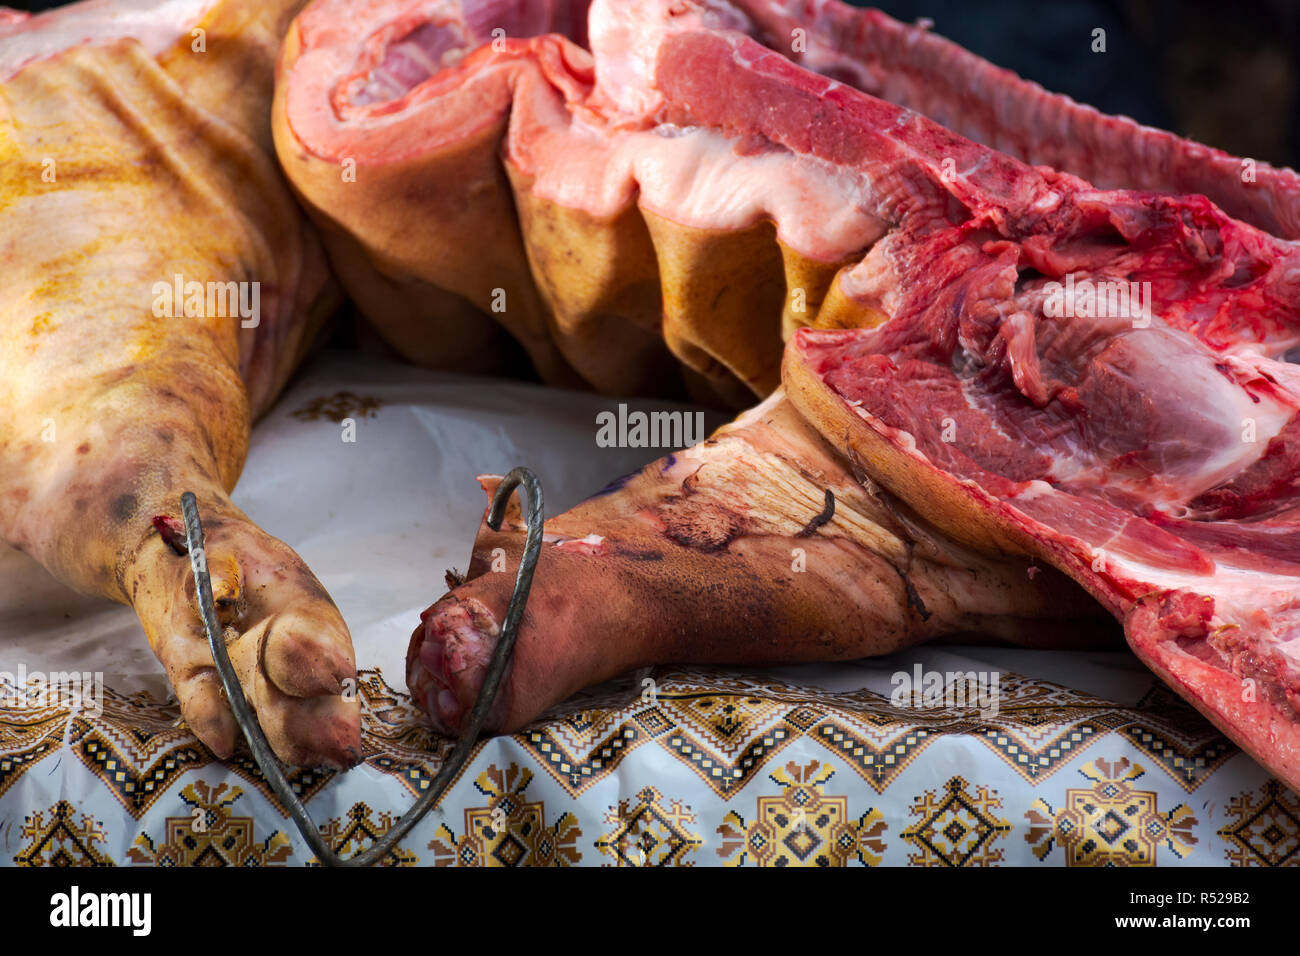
point(956, 828)
point(880, 760)
point(209, 834)
point(1040, 727)
point(396, 737)
point(1183, 743)
point(357, 830)
point(727, 737)
point(726, 727)
point(136, 747)
point(61, 841)
point(1110, 823)
point(803, 825)
point(730, 729)
point(27, 733)
point(647, 833)
point(1190, 766)
point(724, 724)
point(509, 830)
point(1266, 827)
point(577, 764)
point(1034, 762)
point(305, 782)
point(722, 775)
point(724, 738)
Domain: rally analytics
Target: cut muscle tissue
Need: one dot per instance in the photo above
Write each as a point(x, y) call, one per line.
point(997, 368)
point(1155, 459)
point(650, 196)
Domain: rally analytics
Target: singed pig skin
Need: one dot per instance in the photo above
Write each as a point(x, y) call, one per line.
point(678, 198)
point(123, 163)
point(712, 556)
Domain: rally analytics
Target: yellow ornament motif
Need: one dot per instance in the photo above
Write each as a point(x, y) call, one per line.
point(1112, 823)
point(1265, 827)
point(648, 833)
point(209, 834)
point(358, 829)
point(509, 831)
point(957, 828)
point(62, 840)
point(803, 825)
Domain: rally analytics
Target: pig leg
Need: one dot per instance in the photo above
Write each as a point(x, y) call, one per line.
point(724, 554)
point(113, 180)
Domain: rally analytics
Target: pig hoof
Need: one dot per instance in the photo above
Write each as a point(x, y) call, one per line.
point(287, 641)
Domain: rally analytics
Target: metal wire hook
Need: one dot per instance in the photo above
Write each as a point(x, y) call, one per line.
point(266, 760)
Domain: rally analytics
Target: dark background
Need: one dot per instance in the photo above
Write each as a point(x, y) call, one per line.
point(1221, 73)
point(1224, 74)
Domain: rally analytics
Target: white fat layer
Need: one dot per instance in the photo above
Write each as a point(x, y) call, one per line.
point(1253, 424)
point(1264, 604)
point(1251, 351)
point(625, 38)
point(603, 155)
point(624, 44)
point(1222, 406)
point(561, 540)
point(157, 24)
point(695, 177)
point(692, 176)
point(1246, 426)
point(592, 539)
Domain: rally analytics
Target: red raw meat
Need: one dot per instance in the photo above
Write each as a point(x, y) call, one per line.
point(1152, 457)
point(1150, 433)
point(663, 207)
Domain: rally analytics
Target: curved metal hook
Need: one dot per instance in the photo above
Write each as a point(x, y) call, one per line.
point(266, 760)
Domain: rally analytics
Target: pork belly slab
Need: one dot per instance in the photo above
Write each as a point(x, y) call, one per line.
point(652, 195)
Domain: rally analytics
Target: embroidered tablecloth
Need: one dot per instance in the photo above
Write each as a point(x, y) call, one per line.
point(1087, 759)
